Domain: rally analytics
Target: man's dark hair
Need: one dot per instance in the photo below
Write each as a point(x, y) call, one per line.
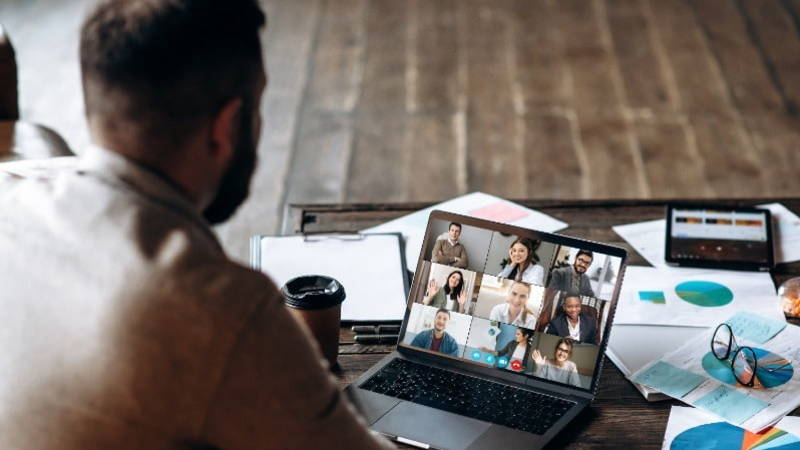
point(166, 65)
point(442, 310)
point(454, 223)
point(585, 252)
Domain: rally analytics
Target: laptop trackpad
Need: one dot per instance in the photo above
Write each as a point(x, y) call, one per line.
point(432, 426)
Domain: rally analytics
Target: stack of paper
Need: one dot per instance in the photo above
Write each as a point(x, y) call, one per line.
point(660, 305)
point(693, 374)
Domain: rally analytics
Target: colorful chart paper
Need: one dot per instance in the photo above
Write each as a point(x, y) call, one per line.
point(652, 297)
point(770, 373)
point(721, 435)
point(694, 297)
point(704, 293)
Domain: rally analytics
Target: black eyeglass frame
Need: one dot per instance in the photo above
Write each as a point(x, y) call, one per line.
point(731, 343)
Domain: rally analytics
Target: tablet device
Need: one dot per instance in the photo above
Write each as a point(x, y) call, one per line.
point(721, 237)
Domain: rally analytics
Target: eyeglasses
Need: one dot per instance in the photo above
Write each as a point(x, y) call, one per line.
point(743, 360)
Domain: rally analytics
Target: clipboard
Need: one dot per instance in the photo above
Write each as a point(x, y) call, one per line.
point(370, 266)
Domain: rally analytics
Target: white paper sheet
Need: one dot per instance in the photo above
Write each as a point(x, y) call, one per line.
point(694, 428)
point(786, 233)
point(649, 238)
point(476, 204)
point(748, 291)
point(694, 356)
point(369, 269)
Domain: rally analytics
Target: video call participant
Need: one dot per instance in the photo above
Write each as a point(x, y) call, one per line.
point(572, 323)
point(521, 265)
point(452, 296)
point(126, 324)
point(436, 339)
point(561, 369)
point(516, 350)
point(515, 311)
point(573, 279)
point(448, 250)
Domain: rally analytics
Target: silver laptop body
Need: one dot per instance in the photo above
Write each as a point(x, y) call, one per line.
point(488, 295)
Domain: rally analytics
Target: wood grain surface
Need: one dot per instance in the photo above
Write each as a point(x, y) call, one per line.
point(418, 100)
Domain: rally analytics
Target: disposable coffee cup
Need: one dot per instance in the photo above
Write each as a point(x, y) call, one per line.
point(317, 301)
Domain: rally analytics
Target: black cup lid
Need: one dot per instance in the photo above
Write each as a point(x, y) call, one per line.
point(313, 292)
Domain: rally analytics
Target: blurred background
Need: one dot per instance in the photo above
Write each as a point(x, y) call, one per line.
point(422, 100)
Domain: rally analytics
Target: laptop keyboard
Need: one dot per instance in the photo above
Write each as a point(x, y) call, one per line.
point(468, 396)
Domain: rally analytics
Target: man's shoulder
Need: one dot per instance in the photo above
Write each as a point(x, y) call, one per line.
point(561, 272)
point(218, 277)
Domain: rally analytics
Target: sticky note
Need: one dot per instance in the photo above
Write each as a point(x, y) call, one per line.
point(652, 297)
point(499, 212)
point(731, 405)
point(669, 379)
point(754, 327)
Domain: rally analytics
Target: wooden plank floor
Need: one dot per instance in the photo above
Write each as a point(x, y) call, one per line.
point(421, 100)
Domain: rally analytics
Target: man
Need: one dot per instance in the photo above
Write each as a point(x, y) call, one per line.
point(572, 323)
point(514, 310)
point(436, 339)
point(125, 325)
point(573, 279)
point(448, 250)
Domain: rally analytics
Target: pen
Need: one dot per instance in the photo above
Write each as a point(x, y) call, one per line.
point(388, 329)
point(364, 329)
point(373, 339)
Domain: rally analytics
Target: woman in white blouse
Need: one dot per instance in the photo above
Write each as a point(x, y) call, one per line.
point(515, 311)
point(521, 265)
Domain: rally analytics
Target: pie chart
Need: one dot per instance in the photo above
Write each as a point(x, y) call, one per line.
point(721, 435)
point(771, 371)
point(704, 293)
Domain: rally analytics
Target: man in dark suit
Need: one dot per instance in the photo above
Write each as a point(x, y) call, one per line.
point(573, 323)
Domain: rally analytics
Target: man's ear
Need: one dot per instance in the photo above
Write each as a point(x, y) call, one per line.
point(224, 131)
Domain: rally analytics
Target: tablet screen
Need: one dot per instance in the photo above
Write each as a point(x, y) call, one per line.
point(703, 234)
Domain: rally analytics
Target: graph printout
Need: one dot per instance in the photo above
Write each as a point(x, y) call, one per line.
point(691, 428)
point(777, 386)
point(693, 297)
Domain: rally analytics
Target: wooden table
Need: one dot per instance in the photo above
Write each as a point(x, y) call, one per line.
point(619, 417)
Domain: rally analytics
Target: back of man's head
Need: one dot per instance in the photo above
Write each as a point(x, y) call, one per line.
point(156, 70)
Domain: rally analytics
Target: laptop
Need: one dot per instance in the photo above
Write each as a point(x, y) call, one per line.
point(502, 341)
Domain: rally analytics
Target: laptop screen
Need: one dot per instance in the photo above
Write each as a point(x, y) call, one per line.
point(513, 299)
